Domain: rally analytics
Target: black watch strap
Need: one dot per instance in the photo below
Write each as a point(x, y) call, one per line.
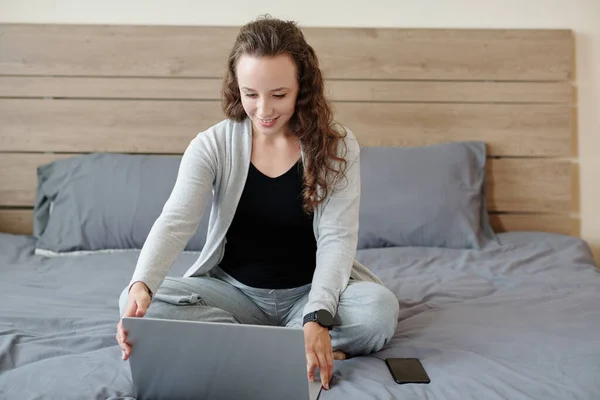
point(322, 317)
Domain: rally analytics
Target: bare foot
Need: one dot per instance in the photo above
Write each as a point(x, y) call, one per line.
point(339, 355)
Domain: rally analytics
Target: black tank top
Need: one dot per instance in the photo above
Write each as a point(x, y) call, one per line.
point(271, 243)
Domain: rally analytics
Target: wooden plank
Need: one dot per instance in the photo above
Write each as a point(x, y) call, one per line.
point(20, 222)
point(344, 53)
point(508, 130)
point(523, 185)
point(529, 185)
point(115, 88)
point(460, 92)
point(103, 126)
point(337, 90)
point(563, 224)
point(17, 222)
point(168, 126)
point(103, 50)
point(446, 54)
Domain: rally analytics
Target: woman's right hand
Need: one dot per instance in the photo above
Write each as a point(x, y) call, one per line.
point(138, 302)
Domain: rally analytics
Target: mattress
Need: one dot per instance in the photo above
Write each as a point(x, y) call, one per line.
point(515, 321)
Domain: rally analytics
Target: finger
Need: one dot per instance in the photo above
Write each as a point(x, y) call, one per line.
point(141, 309)
point(122, 345)
point(120, 331)
point(131, 307)
point(324, 369)
point(142, 301)
point(125, 348)
point(311, 365)
point(126, 351)
point(329, 361)
point(121, 337)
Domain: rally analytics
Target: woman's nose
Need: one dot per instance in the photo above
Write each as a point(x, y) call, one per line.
point(264, 108)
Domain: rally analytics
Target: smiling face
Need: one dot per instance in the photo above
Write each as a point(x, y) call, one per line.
point(268, 90)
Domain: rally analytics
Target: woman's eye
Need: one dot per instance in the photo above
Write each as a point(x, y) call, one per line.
point(254, 95)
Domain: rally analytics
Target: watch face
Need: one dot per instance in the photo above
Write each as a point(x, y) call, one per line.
point(324, 318)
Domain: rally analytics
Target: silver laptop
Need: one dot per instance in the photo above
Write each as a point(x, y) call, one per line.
point(216, 361)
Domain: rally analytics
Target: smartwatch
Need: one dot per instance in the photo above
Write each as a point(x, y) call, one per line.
point(322, 317)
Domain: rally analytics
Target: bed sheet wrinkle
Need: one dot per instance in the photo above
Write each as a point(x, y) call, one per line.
point(518, 320)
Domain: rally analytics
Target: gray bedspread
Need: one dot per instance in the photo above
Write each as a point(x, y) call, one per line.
point(519, 321)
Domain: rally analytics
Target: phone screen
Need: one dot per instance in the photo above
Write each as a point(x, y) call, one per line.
point(407, 370)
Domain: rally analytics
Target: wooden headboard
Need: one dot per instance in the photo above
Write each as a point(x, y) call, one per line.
point(71, 89)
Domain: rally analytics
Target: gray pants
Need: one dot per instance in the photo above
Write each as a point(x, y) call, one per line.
point(366, 318)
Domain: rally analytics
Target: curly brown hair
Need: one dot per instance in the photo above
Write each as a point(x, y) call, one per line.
point(312, 122)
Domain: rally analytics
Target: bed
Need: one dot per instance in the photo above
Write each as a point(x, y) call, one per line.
point(498, 302)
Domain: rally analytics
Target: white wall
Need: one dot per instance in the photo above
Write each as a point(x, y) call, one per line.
point(582, 16)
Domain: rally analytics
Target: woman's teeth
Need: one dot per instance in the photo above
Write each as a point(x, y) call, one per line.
point(267, 122)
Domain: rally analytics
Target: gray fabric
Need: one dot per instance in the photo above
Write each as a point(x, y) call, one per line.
point(515, 321)
point(424, 196)
point(105, 201)
point(366, 317)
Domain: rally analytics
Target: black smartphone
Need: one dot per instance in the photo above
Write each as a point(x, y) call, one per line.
point(407, 370)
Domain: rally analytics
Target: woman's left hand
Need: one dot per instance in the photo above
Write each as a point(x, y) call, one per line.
point(319, 352)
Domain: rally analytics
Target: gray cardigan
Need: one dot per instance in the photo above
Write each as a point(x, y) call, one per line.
point(218, 159)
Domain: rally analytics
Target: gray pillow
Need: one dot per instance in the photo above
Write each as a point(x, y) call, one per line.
point(431, 196)
point(105, 201)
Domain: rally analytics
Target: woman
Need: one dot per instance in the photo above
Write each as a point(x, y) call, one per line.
point(283, 229)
